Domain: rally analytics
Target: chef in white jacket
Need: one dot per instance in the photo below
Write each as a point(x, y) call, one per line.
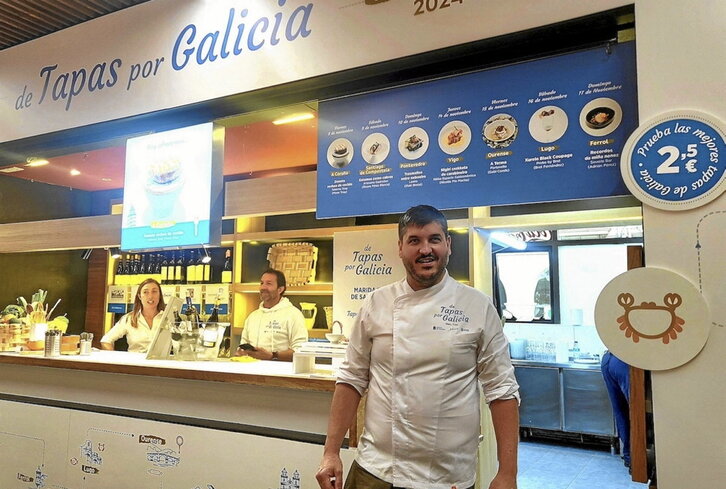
point(421, 347)
point(277, 328)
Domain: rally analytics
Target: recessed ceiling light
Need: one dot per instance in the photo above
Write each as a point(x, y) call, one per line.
point(105, 179)
point(75, 172)
point(36, 162)
point(294, 118)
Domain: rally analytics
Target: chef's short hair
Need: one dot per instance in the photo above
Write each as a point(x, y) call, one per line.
point(419, 216)
point(281, 282)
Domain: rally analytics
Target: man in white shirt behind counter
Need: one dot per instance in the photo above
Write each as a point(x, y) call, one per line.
point(277, 328)
point(419, 347)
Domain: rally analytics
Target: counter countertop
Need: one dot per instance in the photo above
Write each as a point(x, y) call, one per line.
point(571, 365)
point(266, 373)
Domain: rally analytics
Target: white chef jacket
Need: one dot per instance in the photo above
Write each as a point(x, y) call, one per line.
point(279, 328)
point(138, 338)
point(420, 354)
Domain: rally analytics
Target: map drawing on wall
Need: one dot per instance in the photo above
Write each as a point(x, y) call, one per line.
point(710, 238)
point(676, 160)
point(652, 318)
point(49, 447)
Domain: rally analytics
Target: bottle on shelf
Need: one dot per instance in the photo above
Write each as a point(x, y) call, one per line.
point(118, 280)
point(157, 267)
point(143, 267)
point(164, 269)
point(136, 273)
point(206, 267)
point(127, 270)
point(179, 269)
point(227, 267)
point(191, 269)
point(214, 317)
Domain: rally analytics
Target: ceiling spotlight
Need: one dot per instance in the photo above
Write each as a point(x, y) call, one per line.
point(75, 172)
point(294, 118)
point(33, 161)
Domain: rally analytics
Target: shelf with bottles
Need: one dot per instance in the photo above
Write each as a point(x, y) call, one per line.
point(178, 267)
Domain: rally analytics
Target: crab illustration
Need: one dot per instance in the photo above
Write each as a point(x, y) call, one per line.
point(671, 302)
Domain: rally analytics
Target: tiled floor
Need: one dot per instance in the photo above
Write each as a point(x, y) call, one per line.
point(547, 466)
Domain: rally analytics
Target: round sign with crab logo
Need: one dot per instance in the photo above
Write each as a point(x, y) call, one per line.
point(652, 318)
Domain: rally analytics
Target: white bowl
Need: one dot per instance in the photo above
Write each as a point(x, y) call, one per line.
point(334, 338)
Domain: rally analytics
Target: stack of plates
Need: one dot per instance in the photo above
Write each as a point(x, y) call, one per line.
point(321, 349)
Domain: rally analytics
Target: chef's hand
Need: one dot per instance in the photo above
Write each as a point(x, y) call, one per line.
point(240, 352)
point(260, 354)
point(502, 481)
point(330, 472)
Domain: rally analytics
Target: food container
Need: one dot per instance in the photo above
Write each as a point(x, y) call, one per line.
point(52, 345)
point(69, 344)
point(86, 343)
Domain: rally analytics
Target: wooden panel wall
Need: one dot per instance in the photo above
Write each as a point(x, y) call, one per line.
point(638, 442)
point(96, 294)
point(61, 234)
point(296, 192)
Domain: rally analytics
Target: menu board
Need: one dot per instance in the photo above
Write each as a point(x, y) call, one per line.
point(172, 189)
point(545, 130)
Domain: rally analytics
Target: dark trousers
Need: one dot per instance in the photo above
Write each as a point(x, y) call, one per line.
point(616, 374)
point(360, 478)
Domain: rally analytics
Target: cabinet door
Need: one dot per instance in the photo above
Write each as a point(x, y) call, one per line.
point(540, 393)
point(587, 405)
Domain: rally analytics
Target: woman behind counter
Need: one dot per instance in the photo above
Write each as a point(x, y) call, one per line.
point(136, 325)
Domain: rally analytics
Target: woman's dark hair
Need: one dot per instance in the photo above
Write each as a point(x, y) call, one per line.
point(138, 306)
point(281, 282)
point(419, 216)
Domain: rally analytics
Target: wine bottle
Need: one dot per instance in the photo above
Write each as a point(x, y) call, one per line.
point(227, 268)
point(191, 312)
point(179, 269)
point(136, 274)
point(164, 270)
point(199, 267)
point(157, 267)
point(206, 268)
point(214, 317)
point(127, 270)
point(143, 267)
point(119, 271)
point(192, 269)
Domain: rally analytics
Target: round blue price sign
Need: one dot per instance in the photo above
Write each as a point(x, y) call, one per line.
point(676, 161)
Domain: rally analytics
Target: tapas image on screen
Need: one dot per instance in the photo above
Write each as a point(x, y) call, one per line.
point(600, 117)
point(500, 131)
point(454, 137)
point(375, 148)
point(340, 152)
point(548, 124)
point(413, 143)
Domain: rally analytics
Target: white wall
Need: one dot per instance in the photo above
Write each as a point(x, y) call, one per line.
point(681, 64)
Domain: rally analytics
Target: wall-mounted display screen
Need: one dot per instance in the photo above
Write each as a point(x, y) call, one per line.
point(546, 130)
point(172, 189)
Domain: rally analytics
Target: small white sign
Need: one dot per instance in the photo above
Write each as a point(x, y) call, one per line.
point(652, 318)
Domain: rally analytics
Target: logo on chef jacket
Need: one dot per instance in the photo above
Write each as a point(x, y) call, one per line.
point(454, 319)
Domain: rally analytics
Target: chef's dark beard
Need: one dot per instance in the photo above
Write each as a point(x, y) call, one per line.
point(427, 281)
